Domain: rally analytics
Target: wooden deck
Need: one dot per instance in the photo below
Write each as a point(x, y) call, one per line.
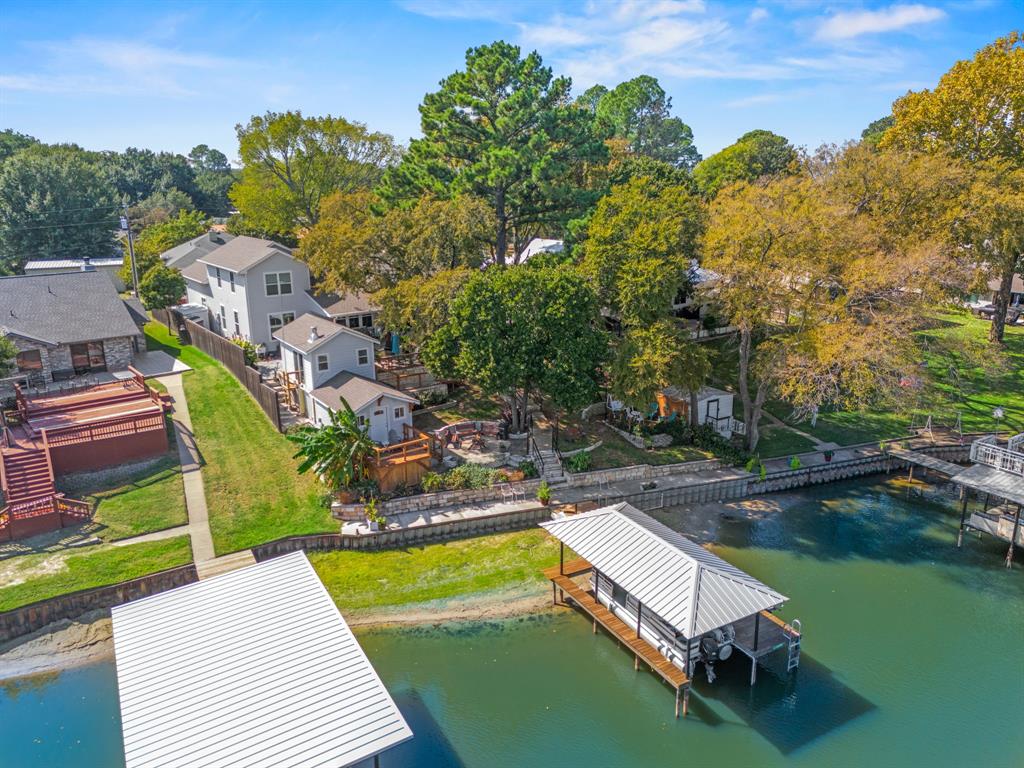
point(941, 466)
point(561, 578)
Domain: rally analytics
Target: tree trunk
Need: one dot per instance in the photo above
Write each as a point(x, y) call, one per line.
point(501, 236)
point(694, 420)
point(1002, 303)
point(744, 385)
point(753, 431)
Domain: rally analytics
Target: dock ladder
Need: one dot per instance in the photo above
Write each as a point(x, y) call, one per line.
point(793, 653)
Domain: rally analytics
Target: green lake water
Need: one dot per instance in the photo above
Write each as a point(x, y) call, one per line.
point(911, 657)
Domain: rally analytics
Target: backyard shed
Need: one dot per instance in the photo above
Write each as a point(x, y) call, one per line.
point(688, 603)
point(252, 668)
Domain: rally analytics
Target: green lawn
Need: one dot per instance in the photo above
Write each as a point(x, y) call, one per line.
point(36, 577)
point(253, 490)
point(359, 581)
point(470, 404)
point(150, 500)
point(778, 441)
point(952, 382)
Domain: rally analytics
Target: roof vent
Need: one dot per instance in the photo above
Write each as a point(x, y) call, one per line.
point(313, 335)
point(87, 265)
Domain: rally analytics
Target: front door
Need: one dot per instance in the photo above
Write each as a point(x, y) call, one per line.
point(88, 358)
point(712, 411)
point(379, 425)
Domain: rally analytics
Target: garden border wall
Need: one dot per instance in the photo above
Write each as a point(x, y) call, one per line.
point(418, 535)
point(34, 616)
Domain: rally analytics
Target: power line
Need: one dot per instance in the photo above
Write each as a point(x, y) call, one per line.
point(111, 224)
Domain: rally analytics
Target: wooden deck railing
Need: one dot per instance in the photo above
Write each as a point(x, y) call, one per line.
point(102, 430)
point(415, 447)
point(397, 362)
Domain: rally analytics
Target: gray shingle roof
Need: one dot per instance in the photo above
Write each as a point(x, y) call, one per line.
point(64, 308)
point(352, 303)
point(184, 255)
point(296, 333)
point(243, 252)
point(196, 272)
point(357, 390)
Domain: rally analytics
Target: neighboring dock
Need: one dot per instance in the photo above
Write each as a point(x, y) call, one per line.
point(561, 578)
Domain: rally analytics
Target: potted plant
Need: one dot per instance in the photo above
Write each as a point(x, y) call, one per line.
point(374, 518)
point(794, 463)
point(828, 456)
point(544, 493)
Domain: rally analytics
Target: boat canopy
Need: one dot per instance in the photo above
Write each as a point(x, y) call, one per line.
point(687, 586)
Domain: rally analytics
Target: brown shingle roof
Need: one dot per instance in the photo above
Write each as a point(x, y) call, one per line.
point(357, 390)
point(243, 252)
point(352, 303)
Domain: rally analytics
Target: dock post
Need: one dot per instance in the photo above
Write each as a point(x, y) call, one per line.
point(963, 516)
point(554, 594)
point(595, 626)
point(753, 670)
point(636, 663)
point(686, 702)
point(1013, 538)
point(561, 559)
point(677, 703)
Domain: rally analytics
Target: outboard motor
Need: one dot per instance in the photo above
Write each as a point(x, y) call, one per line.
point(716, 645)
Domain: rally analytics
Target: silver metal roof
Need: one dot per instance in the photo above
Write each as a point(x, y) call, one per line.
point(255, 668)
point(692, 589)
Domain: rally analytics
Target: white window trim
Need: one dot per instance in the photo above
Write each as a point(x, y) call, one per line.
point(399, 411)
point(359, 356)
point(231, 277)
point(327, 362)
point(277, 275)
point(238, 326)
point(219, 283)
point(279, 315)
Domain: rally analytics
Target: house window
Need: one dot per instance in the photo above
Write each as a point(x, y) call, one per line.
point(363, 357)
point(219, 284)
point(30, 360)
point(279, 319)
point(363, 421)
point(321, 362)
point(400, 412)
point(223, 318)
point(278, 283)
point(353, 322)
point(238, 328)
point(88, 357)
point(367, 321)
point(231, 277)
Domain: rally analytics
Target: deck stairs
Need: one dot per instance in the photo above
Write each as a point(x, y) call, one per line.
point(28, 474)
point(793, 652)
point(550, 466)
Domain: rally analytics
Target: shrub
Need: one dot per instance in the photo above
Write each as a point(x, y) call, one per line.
point(528, 468)
point(248, 349)
point(432, 482)
point(469, 476)
point(433, 397)
point(794, 463)
point(579, 462)
point(705, 437)
point(543, 492)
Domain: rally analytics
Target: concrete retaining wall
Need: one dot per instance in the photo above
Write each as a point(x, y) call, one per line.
point(406, 537)
point(425, 501)
point(29, 618)
point(640, 472)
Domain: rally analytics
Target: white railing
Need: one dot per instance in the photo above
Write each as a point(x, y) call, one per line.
point(1016, 443)
point(737, 427)
point(984, 451)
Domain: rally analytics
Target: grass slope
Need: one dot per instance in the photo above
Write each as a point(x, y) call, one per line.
point(359, 581)
point(29, 578)
point(149, 500)
point(253, 490)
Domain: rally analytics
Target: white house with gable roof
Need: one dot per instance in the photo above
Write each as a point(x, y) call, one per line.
point(252, 287)
point(330, 362)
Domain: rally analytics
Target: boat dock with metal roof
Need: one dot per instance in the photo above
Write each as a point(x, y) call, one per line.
point(673, 603)
point(252, 668)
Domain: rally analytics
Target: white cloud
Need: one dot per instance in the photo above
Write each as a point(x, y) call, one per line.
point(667, 35)
point(849, 24)
point(756, 15)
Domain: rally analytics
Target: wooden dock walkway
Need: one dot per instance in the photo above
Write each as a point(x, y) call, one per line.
point(941, 466)
point(560, 577)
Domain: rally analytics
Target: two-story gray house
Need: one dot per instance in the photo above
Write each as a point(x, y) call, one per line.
point(67, 324)
point(252, 287)
point(330, 362)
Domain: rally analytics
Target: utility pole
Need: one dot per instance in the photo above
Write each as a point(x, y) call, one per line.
point(126, 226)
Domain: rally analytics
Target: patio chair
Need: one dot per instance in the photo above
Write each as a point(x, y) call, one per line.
point(508, 494)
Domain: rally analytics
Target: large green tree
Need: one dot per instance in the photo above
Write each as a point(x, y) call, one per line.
point(755, 154)
point(502, 130)
point(54, 203)
point(213, 179)
point(418, 306)
point(638, 246)
point(156, 239)
point(161, 286)
point(359, 244)
point(291, 162)
point(11, 141)
point(139, 173)
point(638, 111)
point(523, 332)
point(975, 114)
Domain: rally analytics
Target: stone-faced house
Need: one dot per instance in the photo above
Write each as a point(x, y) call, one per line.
point(67, 324)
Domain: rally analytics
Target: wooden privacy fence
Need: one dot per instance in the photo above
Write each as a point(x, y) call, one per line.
point(229, 354)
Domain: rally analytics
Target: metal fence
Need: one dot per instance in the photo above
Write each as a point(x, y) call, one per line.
point(227, 353)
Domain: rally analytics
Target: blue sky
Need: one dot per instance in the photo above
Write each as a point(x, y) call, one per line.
point(171, 75)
